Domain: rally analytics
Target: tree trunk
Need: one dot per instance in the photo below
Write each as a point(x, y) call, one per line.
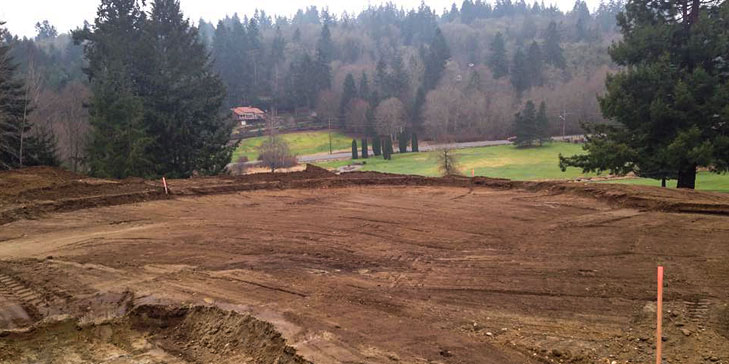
point(663, 182)
point(687, 177)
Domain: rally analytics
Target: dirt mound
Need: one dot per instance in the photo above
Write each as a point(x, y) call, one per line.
point(29, 192)
point(640, 197)
point(15, 182)
point(152, 334)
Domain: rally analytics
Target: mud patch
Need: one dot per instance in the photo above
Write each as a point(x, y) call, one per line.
point(152, 334)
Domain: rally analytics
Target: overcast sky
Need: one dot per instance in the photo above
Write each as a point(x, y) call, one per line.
point(21, 15)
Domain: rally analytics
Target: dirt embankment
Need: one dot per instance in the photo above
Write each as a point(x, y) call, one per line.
point(152, 334)
point(31, 192)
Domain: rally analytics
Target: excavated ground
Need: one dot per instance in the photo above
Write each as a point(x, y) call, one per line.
point(359, 268)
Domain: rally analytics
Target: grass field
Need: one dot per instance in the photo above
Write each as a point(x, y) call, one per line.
point(706, 181)
point(507, 161)
point(300, 143)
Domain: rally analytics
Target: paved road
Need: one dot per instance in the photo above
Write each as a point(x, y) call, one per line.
point(424, 148)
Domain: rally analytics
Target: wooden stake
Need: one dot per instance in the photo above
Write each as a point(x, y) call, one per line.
point(659, 312)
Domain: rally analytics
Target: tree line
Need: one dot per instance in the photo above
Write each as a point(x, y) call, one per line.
point(158, 87)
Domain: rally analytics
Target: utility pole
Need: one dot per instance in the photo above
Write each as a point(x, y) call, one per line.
point(330, 134)
point(563, 116)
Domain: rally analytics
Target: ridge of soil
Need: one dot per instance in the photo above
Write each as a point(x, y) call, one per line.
point(32, 192)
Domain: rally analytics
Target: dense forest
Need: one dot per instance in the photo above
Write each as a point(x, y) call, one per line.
point(462, 73)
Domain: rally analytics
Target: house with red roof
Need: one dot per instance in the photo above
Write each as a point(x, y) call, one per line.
point(247, 115)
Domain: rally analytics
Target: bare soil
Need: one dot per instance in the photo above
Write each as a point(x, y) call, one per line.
point(358, 268)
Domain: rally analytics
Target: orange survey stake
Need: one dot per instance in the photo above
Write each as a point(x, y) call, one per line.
point(659, 312)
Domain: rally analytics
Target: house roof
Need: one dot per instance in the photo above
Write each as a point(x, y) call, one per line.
point(247, 110)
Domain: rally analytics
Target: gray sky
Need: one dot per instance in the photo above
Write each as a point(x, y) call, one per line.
point(21, 15)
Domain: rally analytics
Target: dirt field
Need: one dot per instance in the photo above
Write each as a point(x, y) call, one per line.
point(362, 268)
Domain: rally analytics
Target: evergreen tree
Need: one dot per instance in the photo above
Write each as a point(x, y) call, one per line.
point(437, 56)
point(670, 98)
point(354, 149)
point(417, 113)
point(324, 56)
point(497, 61)
point(255, 54)
point(376, 146)
point(542, 124)
point(385, 150)
point(349, 93)
point(182, 109)
point(21, 145)
point(414, 143)
point(276, 59)
point(119, 139)
point(399, 80)
point(117, 59)
point(325, 46)
point(155, 108)
point(402, 141)
point(534, 65)
point(552, 48)
point(525, 126)
point(364, 88)
point(381, 80)
point(520, 72)
point(365, 152)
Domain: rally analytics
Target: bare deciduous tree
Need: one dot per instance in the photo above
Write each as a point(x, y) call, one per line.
point(64, 113)
point(357, 115)
point(33, 88)
point(274, 153)
point(390, 117)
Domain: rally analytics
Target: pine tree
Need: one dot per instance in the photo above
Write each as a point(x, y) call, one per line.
point(497, 61)
point(542, 124)
point(388, 145)
point(437, 55)
point(349, 93)
point(354, 149)
point(552, 48)
point(534, 65)
point(183, 108)
point(525, 126)
point(156, 104)
point(376, 146)
point(21, 145)
point(324, 56)
point(520, 72)
point(668, 102)
point(417, 113)
point(118, 58)
point(364, 88)
point(119, 141)
point(382, 84)
point(365, 152)
point(399, 80)
point(414, 143)
point(402, 141)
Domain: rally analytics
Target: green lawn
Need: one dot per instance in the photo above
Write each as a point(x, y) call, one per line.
point(507, 161)
point(300, 143)
point(706, 181)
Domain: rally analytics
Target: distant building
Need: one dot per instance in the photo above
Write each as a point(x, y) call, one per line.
point(247, 115)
